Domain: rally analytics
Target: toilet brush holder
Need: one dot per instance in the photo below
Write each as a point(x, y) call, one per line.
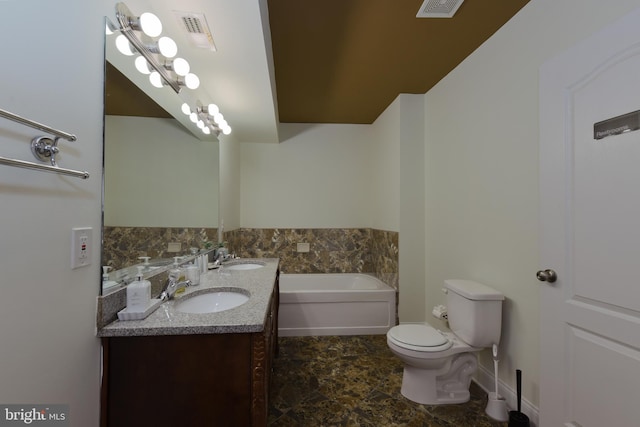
point(496, 405)
point(497, 408)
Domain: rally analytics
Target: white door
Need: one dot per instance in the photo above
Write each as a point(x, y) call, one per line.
point(590, 233)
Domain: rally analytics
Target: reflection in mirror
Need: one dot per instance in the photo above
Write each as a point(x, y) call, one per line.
point(160, 181)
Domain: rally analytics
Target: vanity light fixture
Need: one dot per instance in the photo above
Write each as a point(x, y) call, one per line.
point(158, 60)
point(155, 79)
point(200, 119)
point(205, 119)
point(165, 46)
point(190, 80)
point(149, 24)
point(110, 28)
point(142, 65)
point(180, 66)
point(140, 34)
point(211, 109)
point(214, 115)
point(124, 47)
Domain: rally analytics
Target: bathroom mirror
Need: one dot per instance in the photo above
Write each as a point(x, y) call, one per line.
point(160, 181)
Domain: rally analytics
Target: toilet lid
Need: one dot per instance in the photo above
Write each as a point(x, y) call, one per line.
point(418, 336)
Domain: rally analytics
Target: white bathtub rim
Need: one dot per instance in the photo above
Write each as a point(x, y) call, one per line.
point(300, 306)
point(309, 278)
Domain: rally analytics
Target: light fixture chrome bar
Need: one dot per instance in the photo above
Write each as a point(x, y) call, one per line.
point(123, 15)
point(36, 125)
point(44, 168)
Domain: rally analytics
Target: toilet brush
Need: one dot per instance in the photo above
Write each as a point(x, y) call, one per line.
point(496, 405)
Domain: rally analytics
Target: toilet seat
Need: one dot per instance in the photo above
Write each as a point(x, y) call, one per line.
point(418, 337)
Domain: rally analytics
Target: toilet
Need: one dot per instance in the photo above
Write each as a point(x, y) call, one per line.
point(438, 365)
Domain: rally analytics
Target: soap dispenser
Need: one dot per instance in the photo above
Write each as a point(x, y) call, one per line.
point(106, 283)
point(138, 293)
point(177, 269)
point(192, 273)
point(178, 272)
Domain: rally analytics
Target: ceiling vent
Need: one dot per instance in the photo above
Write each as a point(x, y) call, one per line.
point(439, 8)
point(195, 24)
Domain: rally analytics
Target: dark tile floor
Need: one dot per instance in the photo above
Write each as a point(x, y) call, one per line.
point(355, 381)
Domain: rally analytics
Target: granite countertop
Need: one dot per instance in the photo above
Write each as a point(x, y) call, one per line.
point(246, 318)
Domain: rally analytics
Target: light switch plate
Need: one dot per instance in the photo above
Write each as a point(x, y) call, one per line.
point(81, 243)
point(302, 247)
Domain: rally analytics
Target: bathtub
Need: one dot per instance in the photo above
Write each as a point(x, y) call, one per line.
point(335, 304)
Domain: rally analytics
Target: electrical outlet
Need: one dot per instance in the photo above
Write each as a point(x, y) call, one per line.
point(81, 241)
point(302, 247)
point(174, 247)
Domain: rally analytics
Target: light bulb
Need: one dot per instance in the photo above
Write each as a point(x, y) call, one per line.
point(124, 46)
point(156, 79)
point(218, 117)
point(200, 124)
point(222, 123)
point(186, 109)
point(206, 130)
point(191, 81)
point(142, 65)
point(193, 117)
point(212, 109)
point(226, 130)
point(150, 24)
point(167, 47)
point(181, 66)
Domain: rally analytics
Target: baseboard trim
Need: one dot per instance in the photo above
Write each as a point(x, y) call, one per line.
point(484, 379)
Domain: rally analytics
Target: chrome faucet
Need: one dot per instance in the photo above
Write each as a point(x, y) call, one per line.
point(221, 255)
point(172, 286)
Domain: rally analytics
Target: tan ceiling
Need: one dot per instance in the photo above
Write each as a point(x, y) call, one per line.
point(123, 98)
point(345, 61)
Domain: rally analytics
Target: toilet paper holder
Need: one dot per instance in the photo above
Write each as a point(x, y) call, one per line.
point(440, 312)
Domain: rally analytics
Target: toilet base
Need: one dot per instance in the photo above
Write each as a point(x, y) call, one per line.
point(447, 385)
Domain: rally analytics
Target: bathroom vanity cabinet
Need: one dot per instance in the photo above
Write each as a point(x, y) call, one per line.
point(195, 380)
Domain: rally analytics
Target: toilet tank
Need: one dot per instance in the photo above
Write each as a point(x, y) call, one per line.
point(474, 312)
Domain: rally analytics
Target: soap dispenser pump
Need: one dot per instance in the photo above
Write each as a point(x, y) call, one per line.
point(138, 293)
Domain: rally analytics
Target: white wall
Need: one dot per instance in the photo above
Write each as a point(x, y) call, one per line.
point(482, 169)
point(384, 153)
point(318, 177)
point(398, 195)
point(48, 348)
point(157, 174)
point(327, 176)
point(229, 183)
point(412, 301)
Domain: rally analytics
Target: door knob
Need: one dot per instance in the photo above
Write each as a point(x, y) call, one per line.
point(549, 276)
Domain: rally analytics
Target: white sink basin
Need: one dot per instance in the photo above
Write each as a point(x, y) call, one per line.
point(212, 302)
point(243, 266)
